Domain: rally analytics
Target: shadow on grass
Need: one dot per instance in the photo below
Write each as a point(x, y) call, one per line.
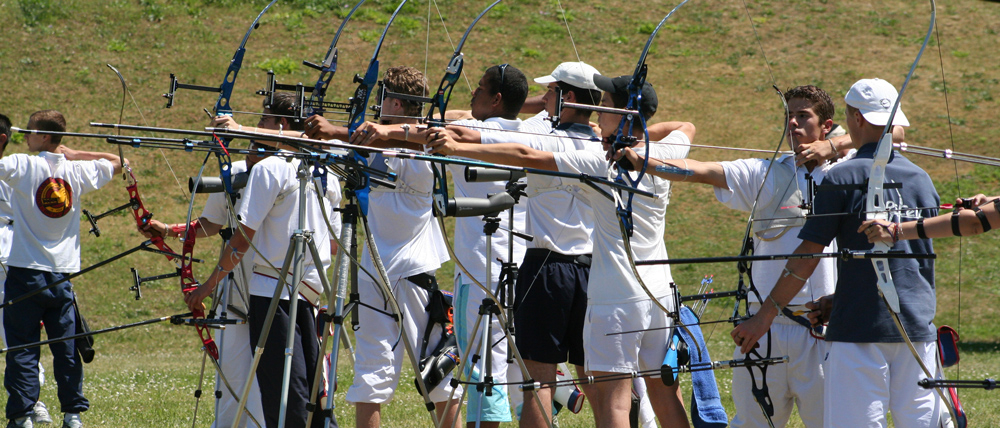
point(979, 347)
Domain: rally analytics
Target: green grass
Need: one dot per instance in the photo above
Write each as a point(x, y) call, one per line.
point(705, 63)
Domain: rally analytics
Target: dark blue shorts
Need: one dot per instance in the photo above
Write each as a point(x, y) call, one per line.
point(550, 306)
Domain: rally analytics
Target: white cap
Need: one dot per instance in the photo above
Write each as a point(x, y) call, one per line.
point(875, 98)
point(579, 74)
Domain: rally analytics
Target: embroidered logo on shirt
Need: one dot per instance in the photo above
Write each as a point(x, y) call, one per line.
point(54, 197)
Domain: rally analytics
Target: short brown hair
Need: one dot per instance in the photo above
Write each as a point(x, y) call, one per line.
point(409, 81)
point(283, 106)
point(822, 105)
point(48, 120)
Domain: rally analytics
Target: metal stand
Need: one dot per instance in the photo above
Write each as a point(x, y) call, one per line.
point(345, 272)
point(294, 262)
point(494, 306)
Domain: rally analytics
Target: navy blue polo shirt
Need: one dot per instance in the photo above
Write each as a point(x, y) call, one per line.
point(859, 314)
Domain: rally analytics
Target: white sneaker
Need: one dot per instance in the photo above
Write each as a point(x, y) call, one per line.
point(22, 422)
point(41, 415)
point(72, 420)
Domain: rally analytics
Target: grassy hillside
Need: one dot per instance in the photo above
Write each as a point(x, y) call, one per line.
point(706, 65)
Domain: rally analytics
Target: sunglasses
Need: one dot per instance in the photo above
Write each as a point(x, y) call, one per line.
point(503, 70)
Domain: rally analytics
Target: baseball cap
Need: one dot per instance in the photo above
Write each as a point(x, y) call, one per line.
point(619, 86)
point(874, 98)
point(579, 74)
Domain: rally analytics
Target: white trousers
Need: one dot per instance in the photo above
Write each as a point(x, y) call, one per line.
point(865, 381)
point(378, 359)
point(799, 382)
point(236, 356)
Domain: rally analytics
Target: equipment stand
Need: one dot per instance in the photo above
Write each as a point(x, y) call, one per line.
point(294, 261)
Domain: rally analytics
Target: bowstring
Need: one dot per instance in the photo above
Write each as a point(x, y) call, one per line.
point(572, 41)
point(958, 183)
point(146, 123)
point(450, 41)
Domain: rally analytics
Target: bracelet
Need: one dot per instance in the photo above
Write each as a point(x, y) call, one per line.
point(793, 275)
point(686, 169)
point(406, 131)
point(236, 252)
point(893, 229)
point(777, 307)
point(833, 147)
point(221, 269)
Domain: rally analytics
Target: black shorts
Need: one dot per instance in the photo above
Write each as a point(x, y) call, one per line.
point(550, 306)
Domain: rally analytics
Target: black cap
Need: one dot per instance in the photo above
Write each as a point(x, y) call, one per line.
point(618, 86)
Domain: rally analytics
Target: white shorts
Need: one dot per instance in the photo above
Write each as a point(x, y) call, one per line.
point(377, 365)
point(865, 381)
point(625, 353)
point(799, 382)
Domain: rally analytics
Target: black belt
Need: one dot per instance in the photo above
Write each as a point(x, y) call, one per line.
point(543, 254)
point(425, 280)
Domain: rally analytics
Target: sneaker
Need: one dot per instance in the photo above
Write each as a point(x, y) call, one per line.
point(41, 415)
point(22, 422)
point(72, 420)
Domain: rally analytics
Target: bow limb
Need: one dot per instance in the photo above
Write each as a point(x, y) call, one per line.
point(875, 207)
point(327, 69)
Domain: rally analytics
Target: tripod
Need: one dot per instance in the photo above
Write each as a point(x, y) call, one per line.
point(294, 262)
point(492, 306)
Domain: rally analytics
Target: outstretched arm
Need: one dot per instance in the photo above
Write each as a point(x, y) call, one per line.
point(659, 131)
point(442, 142)
point(83, 155)
point(702, 172)
point(968, 222)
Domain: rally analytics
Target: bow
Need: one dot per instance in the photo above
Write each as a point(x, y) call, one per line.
point(438, 106)
point(439, 103)
point(327, 69)
point(624, 139)
point(142, 217)
point(222, 107)
point(358, 104)
point(875, 207)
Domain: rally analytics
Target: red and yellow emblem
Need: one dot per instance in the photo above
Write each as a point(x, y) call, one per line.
point(54, 197)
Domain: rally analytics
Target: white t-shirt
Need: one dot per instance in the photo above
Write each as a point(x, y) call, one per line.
point(611, 278)
point(46, 206)
point(470, 242)
point(217, 209)
point(271, 208)
point(557, 215)
point(539, 123)
point(744, 178)
point(407, 235)
point(6, 216)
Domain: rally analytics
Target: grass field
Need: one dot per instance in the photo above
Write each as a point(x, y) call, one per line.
point(706, 65)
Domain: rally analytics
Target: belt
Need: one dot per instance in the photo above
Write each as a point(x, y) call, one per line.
point(544, 254)
point(310, 294)
point(425, 280)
